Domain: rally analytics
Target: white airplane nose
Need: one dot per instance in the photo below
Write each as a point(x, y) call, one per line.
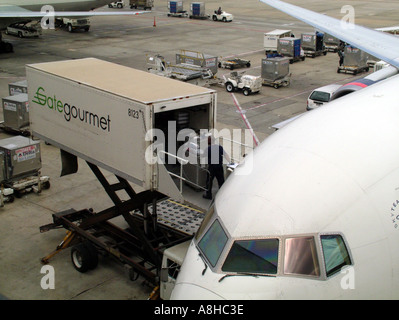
point(190, 291)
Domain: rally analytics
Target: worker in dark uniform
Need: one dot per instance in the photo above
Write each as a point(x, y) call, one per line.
point(214, 154)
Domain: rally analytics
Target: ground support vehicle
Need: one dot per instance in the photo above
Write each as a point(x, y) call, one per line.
point(246, 83)
point(74, 24)
point(83, 125)
point(223, 16)
point(116, 4)
point(145, 4)
point(234, 63)
point(26, 29)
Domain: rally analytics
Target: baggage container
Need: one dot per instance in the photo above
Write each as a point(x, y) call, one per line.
point(18, 87)
point(355, 57)
point(289, 47)
point(331, 43)
point(197, 10)
point(354, 62)
point(16, 111)
point(275, 68)
point(270, 40)
point(312, 44)
point(21, 157)
point(117, 118)
point(175, 6)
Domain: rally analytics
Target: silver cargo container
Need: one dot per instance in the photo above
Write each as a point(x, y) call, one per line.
point(355, 57)
point(21, 157)
point(18, 87)
point(289, 47)
point(275, 68)
point(332, 43)
point(16, 111)
point(198, 59)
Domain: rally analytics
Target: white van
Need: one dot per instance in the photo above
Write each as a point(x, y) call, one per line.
point(321, 96)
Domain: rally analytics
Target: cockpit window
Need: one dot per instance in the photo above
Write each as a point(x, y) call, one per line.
point(213, 242)
point(253, 256)
point(300, 256)
point(335, 253)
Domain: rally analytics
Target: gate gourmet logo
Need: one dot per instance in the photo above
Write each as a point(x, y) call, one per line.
point(70, 111)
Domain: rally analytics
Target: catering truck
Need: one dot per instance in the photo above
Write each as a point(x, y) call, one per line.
point(128, 122)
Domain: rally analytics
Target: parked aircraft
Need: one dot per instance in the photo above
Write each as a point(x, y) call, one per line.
point(313, 212)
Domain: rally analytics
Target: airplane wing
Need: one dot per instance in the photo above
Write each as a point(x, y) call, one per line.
point(11, 11)
point(394, 29)
point(381, 45)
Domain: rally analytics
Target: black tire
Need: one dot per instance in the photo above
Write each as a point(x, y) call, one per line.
point(83, 258)
point(246, 92)
point(229, 87)
point(248, 64)
point(69, 27)
point(214, 18)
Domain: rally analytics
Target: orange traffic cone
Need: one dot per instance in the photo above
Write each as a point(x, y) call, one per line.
point(154, 23)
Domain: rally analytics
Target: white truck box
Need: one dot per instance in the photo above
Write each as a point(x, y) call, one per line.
point(101, 112)
point(270, 39)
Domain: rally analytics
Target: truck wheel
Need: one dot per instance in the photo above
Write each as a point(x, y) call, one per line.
point(224, 19)
point(83, 257)
point(229, 87)
point(69, 27)
point(119, 5)
point(248, 64)
point(246, 92)
point(214, 18)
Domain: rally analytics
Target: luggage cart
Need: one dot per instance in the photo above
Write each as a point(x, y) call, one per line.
point(285, 82)
point(234, 63)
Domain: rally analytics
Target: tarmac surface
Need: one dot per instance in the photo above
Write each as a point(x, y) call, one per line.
point(126, 40)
